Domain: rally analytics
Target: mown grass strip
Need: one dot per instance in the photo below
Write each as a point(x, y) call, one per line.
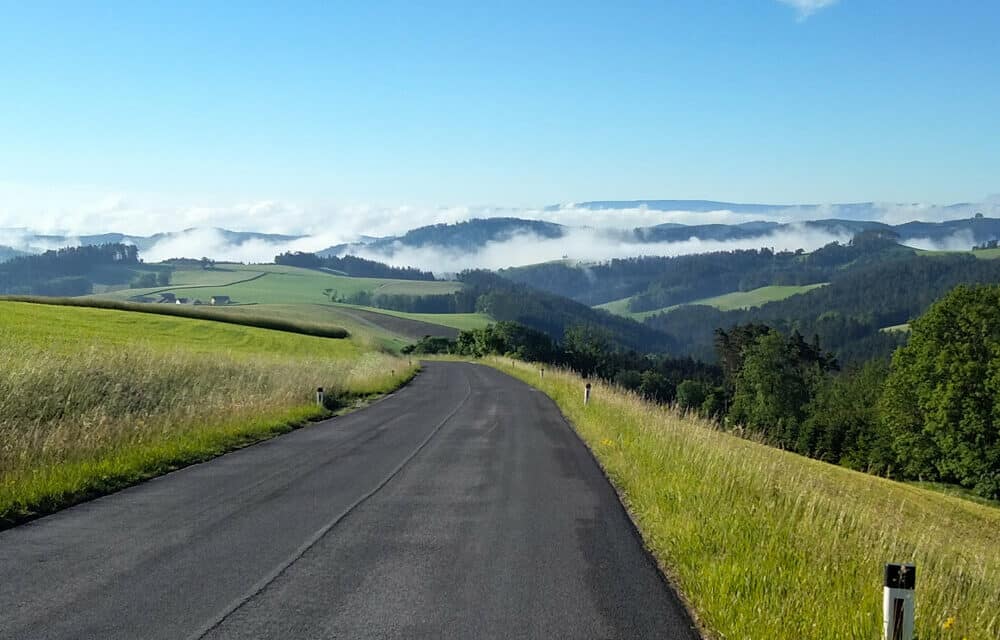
point(183, 311)
point(767, 544)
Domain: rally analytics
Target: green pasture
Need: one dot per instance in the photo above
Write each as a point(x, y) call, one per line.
point(724, 302)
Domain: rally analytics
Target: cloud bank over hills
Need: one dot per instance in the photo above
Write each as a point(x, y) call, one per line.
point(36, 220)
point(590, 231)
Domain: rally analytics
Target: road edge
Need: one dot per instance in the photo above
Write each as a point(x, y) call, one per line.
point(113, 485)
point(662, 569)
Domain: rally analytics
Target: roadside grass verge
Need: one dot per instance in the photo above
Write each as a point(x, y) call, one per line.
point(768, 544)
point(185, 311)
point(92, 400)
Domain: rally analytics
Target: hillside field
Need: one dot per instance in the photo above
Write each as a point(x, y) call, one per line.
point(95, 399)
point(278, 284)
point(290, 292)
point(725, 302)
point(983, 254)
point(460, 321)
point(754, 537)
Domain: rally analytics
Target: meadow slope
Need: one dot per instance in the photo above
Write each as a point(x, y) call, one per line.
point(95, 399)
point(279, 284)
point(283, 292)
point(768, 544)
point(724, 302)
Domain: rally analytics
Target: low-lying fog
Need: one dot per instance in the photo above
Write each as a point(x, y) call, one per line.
point(592, 235)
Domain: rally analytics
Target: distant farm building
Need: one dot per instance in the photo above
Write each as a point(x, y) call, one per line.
point(220, 300)
point(168, 298)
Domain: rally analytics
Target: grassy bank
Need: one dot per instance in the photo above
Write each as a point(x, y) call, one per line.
point(94, 399)
point(767, 544)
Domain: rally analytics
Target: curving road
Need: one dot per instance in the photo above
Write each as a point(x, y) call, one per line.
point(462, 506)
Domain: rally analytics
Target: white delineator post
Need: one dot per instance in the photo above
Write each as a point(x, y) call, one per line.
point(541, 372)
point(897, 601)
point(586, 394)
point(319, 396)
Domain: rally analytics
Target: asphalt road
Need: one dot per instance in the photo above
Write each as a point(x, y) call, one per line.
point(460, 507)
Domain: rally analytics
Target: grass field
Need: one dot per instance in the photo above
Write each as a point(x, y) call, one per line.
point(282, 292)
point(725, 302)
point(901, 328)
point(279, 285)
point(985, 254)
point(95, 399)
point(767, 544)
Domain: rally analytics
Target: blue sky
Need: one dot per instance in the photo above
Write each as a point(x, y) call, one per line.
point(519, 103)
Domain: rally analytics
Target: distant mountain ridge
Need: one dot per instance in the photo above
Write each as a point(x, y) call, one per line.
point(29, 242)
point(475, 234)
point(850, 210)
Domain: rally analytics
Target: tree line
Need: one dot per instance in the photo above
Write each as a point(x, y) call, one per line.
point(587, 349)
point(486, 292)
point(351, 266)
point(66, 272)
point(932, 413)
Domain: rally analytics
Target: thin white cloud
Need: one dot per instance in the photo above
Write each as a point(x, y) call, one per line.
point(587, 245)
point(806, 8)
point(84, 211)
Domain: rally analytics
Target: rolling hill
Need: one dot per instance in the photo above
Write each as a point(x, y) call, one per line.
point(308, 295)
point(278, 284)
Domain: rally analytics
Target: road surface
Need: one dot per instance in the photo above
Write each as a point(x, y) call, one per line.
point(461, 506)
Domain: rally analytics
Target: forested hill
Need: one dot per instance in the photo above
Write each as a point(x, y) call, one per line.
point(657, 282)
point(6, 253)
point(29, 242)
point(72, 271)
point(506, 300)
point(351, 266)
point(849, 314)
point(464, 237)
point(474, 234)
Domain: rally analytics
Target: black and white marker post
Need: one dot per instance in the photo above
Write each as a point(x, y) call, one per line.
point(319, 396)
point(897, 601)
point(586, 394)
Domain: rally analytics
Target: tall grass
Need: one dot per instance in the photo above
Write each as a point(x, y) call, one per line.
point(765, 544)
point(123, 399)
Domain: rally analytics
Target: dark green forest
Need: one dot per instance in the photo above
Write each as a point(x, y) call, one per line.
point(351, 266)
point(657, 282)
point(848, 314)
point(72, 271)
